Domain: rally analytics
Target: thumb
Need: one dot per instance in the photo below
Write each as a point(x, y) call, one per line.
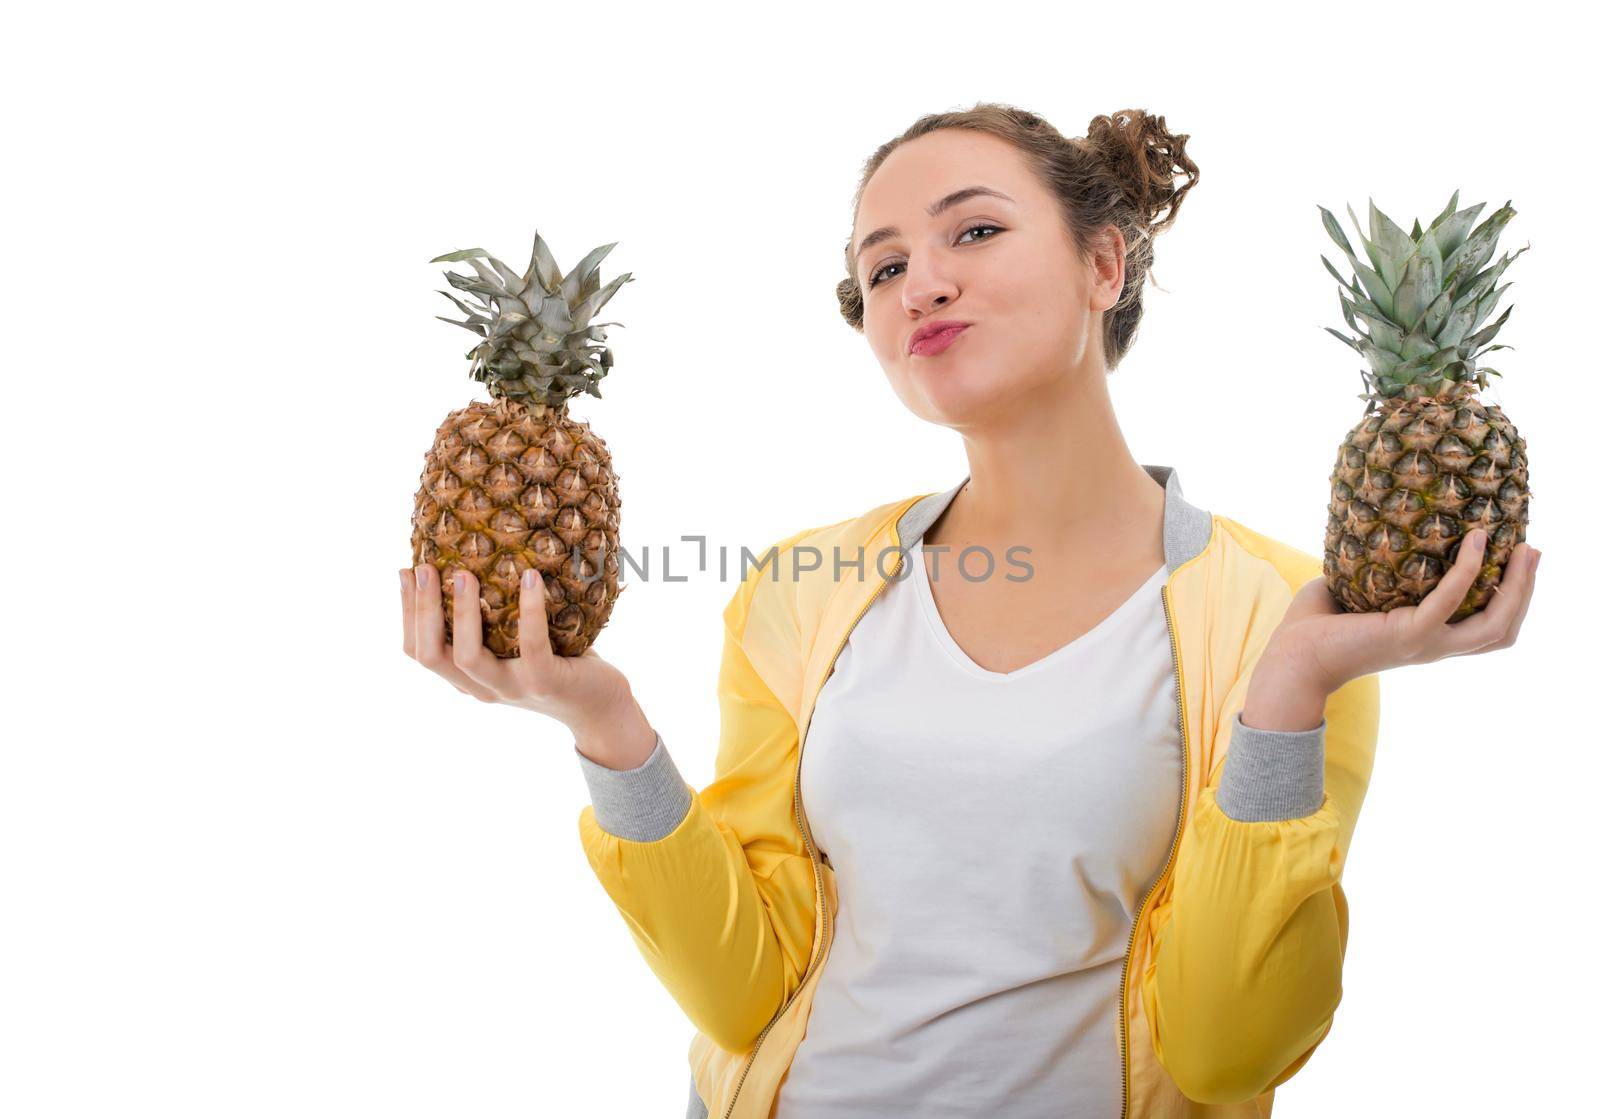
point(533, 625)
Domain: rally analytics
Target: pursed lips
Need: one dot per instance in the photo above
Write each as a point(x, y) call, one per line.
point(939, 331)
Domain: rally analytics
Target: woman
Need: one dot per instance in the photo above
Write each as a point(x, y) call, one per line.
point(1015, 875)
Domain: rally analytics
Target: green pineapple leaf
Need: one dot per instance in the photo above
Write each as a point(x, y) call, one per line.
point(459, 254)
point(1488, 332)
point(1416, 345)
point(470, 283)
point(1418, 287)
point(1454, 229)
point(507, 323)
point(1351, 342)
point(466, 309)
point(1393, 246)
point(1334, 272)
point(1479, 246)
point(1485, 305)
point(1428, 246)
point(1438, 312)
point(476, 327)
point(543, 265)
point(1378, 291)
point(583, 278)
point(512, 281)
point(590, 306)
point(1449, 209)
point(1373, 254)
point(1331, 224)
point(1480, 283)
point(1349, 311)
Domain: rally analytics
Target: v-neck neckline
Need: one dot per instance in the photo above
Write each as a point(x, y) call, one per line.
point(941, 633)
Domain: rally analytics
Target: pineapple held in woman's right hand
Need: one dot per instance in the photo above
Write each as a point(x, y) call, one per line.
point(516, 482)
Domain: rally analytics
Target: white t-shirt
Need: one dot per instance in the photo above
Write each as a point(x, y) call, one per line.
point(992, 836)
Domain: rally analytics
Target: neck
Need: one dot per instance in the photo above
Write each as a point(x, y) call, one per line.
point(1053, 472)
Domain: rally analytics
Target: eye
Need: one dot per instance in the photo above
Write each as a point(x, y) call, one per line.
point(873, 280)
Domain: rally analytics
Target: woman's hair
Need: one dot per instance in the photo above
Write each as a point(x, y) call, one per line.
point(1121, 173)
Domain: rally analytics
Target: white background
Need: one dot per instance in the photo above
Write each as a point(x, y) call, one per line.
point(256, 862)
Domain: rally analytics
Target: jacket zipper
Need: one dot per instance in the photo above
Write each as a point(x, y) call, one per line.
point(805, 832)
point(1183, 797)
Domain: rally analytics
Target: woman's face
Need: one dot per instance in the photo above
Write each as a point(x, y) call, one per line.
point(1005, 265)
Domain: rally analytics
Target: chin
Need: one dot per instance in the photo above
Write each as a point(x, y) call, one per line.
point(956, 394)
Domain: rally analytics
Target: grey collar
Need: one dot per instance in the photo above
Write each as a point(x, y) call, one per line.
point(1186, 528)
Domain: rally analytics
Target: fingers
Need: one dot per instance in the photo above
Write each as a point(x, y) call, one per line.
point(408, 611)
point(1531, 567)
point(428, 634)
point(476, 663)
point(1496, 626)
point(1450, 592)
point(531, 667)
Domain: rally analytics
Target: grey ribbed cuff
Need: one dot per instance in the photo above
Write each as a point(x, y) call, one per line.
point(1272, 774)
point(645, 803)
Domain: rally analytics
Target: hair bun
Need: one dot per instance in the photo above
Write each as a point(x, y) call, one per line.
point(1146, 159)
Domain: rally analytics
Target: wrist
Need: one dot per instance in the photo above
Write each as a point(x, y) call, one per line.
point(1283, 699)
point(617, 737)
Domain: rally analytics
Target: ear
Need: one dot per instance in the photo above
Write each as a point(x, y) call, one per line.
point(1108, 261)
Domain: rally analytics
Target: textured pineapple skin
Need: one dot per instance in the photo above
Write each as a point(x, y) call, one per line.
point(1411, 480)
point(509, 485)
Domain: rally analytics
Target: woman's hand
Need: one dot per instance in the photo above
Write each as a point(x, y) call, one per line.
point(585, 692)
point(1320, 646)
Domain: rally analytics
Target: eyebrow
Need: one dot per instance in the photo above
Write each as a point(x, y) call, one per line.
point(939, 207)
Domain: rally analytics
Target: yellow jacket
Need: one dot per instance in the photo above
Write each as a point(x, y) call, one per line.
point(1232, 971)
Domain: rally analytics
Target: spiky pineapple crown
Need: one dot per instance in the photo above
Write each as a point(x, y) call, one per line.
point(1425, 297)
point(538, 344)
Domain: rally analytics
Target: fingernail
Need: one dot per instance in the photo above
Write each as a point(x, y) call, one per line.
point(1477, 538)
point(527, 578)
point(461, 580)
point(422, 574)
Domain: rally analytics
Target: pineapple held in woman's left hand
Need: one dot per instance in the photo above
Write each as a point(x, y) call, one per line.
point(1432, 462)
point(515, 482)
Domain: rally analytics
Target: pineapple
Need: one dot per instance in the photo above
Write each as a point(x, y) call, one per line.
point(515, 482)
point(1429, 461)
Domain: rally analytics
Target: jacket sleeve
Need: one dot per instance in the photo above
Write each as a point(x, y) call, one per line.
point(1249, 948)
point(715, 886)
